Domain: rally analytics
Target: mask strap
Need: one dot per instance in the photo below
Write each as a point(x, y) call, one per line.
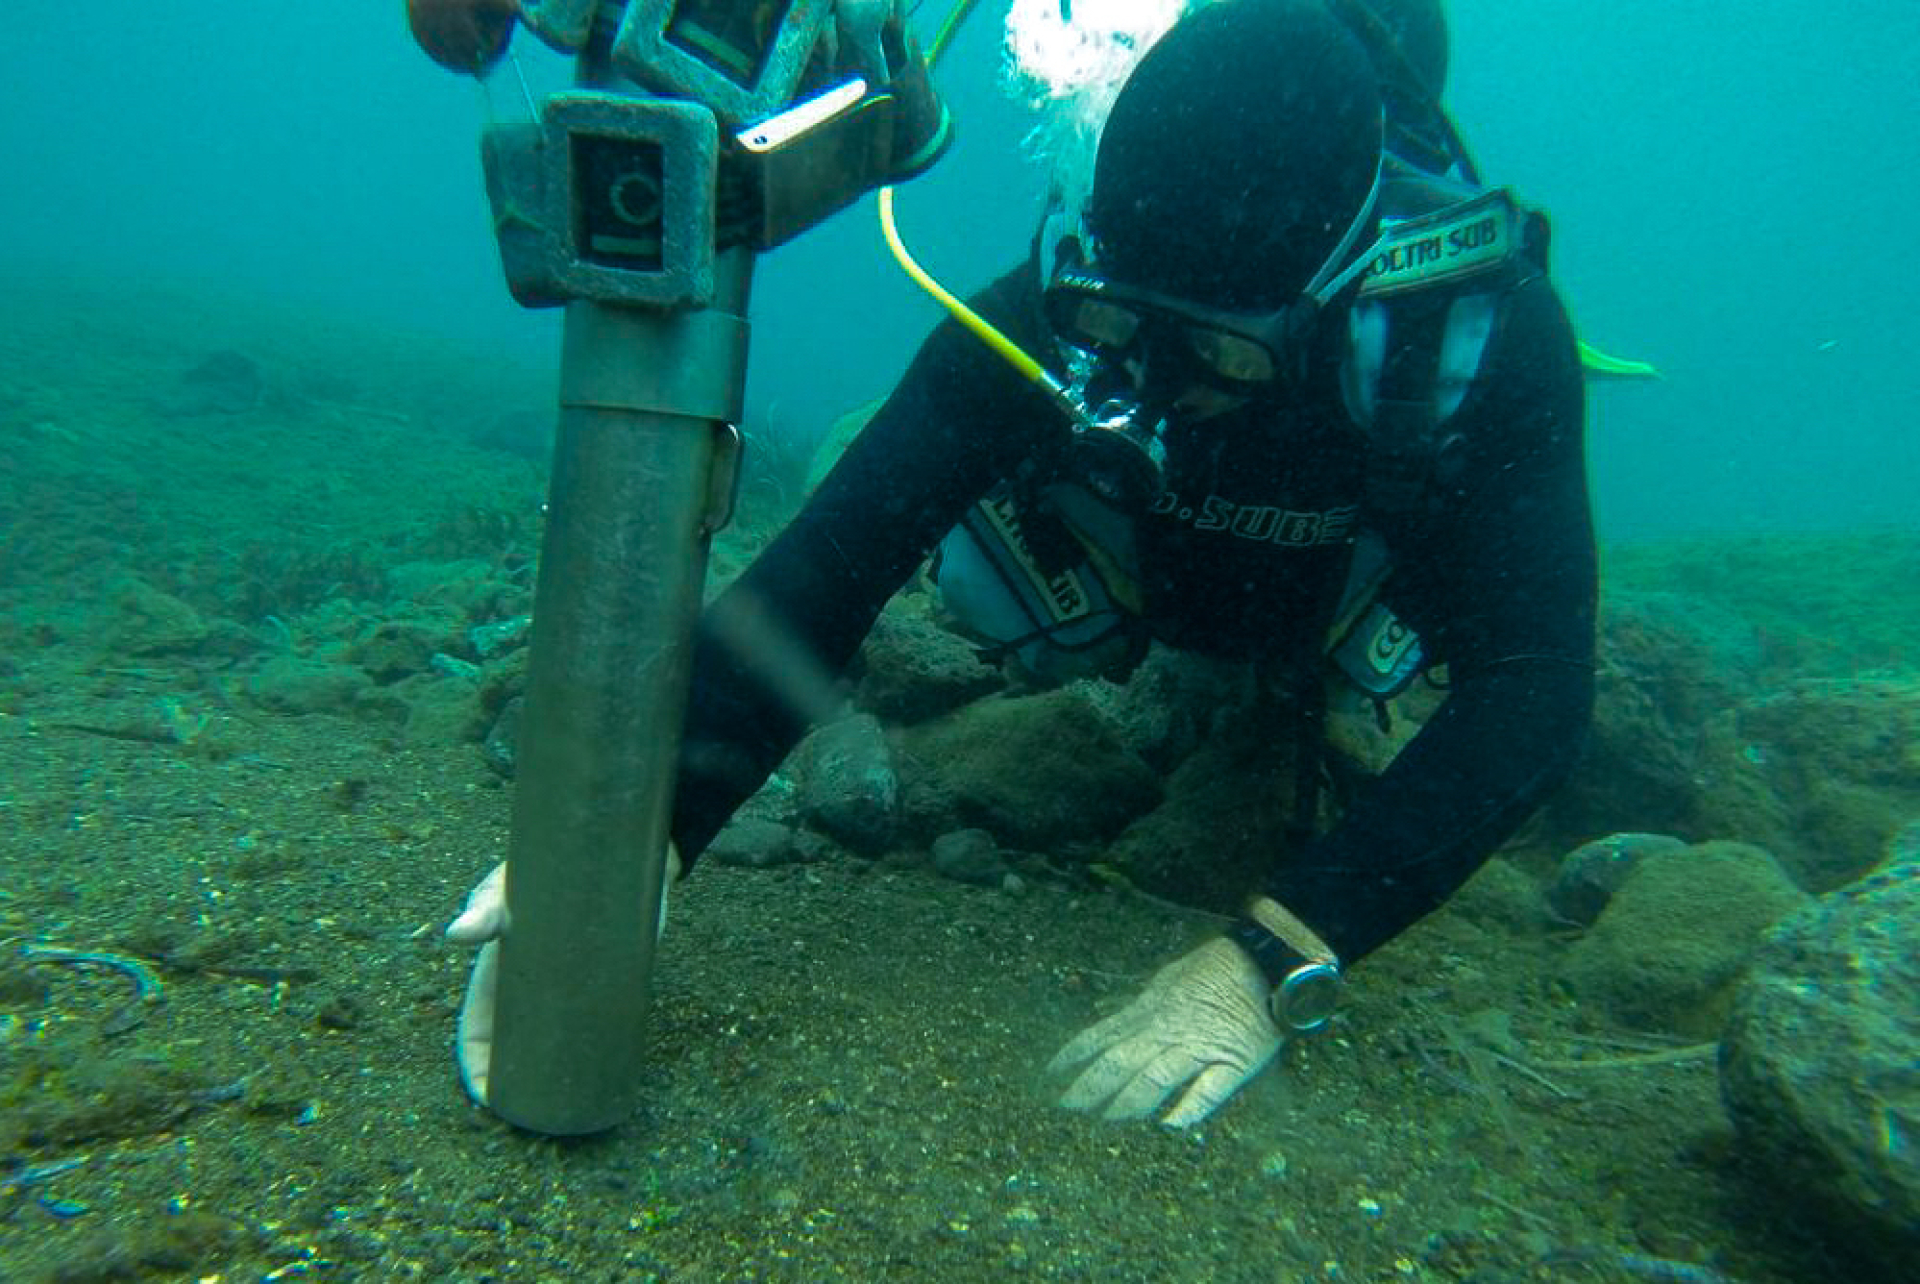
point(1064, 222)
point(1332, 277)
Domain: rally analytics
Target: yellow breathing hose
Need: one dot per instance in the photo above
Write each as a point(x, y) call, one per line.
point(1012, 353)
point(947, 31)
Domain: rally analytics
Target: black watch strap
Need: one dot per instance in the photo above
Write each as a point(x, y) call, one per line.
point(1276, 959)
point(1303, 987)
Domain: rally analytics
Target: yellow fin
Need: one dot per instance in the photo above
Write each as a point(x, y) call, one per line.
point(1599, 365)
point(838, 437)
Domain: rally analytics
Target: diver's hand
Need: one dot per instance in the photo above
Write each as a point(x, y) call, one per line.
point(1201, 1023)
point(480, 923)
point(466, 36)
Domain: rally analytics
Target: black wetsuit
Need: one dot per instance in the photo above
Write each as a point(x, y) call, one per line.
point(1243, 557)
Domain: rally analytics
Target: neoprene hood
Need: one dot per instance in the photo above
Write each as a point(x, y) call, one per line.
point(1237, 155)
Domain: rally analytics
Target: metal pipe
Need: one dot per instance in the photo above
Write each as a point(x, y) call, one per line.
point(642, 475)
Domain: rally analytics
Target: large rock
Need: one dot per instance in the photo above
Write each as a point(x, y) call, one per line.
point(390, 650)
point(290, 684)
point(1688, 740)
point(1667, 665)
point(1591, 873)
point(847, 784)
point(1171, 703)
point(466, 591)
point(1666, 951)
point(1842, 759)
point(1501, 897)
point(439, 710)
point(1820, 1066)
point(1226, 741)
point(969, 856)
point(139, 621)
point(1215, 835)
point(754, 842)
point(1042, 772)
point(912, 669)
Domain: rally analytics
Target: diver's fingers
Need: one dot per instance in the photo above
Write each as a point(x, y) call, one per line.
point(1090, 1042)
point(666, 888)
point(486, 910)
point(1141, 1095)
point(1111, 1072)
point(473, 1033)
point(1208, 1092)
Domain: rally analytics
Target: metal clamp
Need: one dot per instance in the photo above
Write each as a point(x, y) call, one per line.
point(563, 24)
point(624, 198)
point(744, 60)
point(815, 159)
point(726, 54)
point(609, 197)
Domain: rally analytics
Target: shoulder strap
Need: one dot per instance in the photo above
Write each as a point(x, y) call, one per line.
point(1404, 421)
point(1487, 235)
point(1421, 327)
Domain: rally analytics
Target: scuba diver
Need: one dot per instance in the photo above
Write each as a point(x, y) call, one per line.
point(1324, 414)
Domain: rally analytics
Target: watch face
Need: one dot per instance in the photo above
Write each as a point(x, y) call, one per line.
point(1307, 997)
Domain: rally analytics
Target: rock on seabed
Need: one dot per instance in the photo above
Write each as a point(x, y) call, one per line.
point(1820, 1066)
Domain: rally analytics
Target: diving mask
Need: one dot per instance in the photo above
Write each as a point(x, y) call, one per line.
point(1242, 353)
point(1120, 323)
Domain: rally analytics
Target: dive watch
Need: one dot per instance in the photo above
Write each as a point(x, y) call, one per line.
point(1303, 972)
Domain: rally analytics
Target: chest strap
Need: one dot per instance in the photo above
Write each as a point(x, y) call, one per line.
point(1411, 364)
